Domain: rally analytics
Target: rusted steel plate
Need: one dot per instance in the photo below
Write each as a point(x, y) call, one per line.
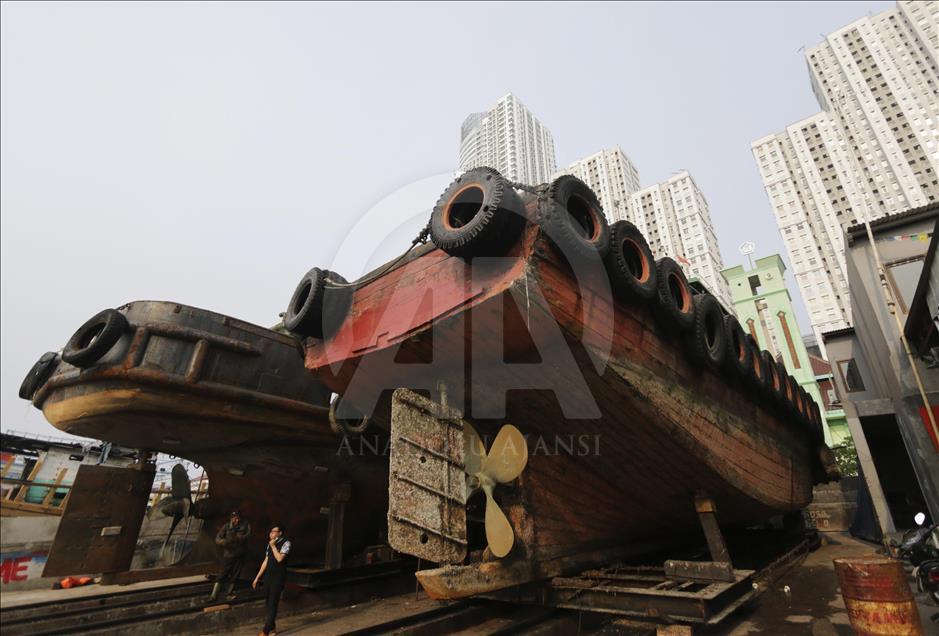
point(700, 603)
point(102, 497)
point(700, 570)
point(877, 596)
point(427, 483)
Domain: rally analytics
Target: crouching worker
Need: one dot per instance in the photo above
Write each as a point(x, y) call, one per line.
point(274, 570)
point(231, 538)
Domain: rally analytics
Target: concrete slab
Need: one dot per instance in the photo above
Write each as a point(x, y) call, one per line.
point(806, 601)
point(29, 597)
point(341, 620)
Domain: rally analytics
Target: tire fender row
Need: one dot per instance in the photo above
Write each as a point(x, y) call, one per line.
point(480, 214)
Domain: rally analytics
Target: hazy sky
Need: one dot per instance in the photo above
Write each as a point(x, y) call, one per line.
point(211, 153)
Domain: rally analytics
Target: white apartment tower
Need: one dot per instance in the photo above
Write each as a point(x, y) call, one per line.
point(873, 150)
point(511, 140)
point(612, 176)
point(676, 221)
point(805, 171)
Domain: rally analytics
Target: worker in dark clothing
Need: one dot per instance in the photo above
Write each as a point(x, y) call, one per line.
point(231, 538)
point(274, 569)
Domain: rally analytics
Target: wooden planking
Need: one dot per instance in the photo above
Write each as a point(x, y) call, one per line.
point(667, 427)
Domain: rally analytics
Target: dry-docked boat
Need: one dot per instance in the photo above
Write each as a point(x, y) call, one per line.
point(606, 389)
point(232, 396)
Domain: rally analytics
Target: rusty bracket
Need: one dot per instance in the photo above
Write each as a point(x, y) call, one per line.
point(700, 571)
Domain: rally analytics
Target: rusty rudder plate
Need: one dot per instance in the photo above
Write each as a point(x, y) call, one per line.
point(100, 524)
point(427, 482)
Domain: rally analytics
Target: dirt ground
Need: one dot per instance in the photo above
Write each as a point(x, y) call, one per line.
point(807, 600)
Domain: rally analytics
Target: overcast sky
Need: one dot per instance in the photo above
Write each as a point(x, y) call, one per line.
point(210, 154)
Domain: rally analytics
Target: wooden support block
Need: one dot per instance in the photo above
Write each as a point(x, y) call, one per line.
point(339, 496)
point(706, 509)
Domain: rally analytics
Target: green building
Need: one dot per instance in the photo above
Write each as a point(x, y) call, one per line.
point(764, 308)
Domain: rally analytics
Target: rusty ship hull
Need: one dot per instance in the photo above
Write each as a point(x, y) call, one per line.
point(657, 426)
point(234, 398)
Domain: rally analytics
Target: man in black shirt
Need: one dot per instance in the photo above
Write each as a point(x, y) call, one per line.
point(274, 569)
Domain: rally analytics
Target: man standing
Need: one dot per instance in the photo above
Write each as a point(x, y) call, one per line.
point(231, 538)
point(274, 567)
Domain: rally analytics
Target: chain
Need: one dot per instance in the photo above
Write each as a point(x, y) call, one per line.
point(420, 239)
point(525, 187)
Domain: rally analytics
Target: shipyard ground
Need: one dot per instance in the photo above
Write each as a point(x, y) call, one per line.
point(805, 600)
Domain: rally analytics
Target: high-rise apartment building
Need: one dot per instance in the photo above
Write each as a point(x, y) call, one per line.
point(510, 139)
point(806, 171)
point(676, 221)
point(881, 85)
point(874, 150)
point(612, 176)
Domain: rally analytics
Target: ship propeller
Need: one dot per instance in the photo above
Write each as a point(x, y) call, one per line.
point(504, 462)
point(179, 504)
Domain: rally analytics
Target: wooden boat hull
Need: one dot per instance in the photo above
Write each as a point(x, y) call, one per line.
point(233, 397)
point(641, 428)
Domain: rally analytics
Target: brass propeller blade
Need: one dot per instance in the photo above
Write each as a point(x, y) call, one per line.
point(499, 532)
point(508, 456)
point(474, 451)
point(504, 462)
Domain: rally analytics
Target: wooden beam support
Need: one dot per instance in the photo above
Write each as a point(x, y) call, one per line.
point(340, 496)
point(707, 514)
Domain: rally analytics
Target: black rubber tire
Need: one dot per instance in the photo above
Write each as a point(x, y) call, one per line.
point(815, 419)
point(38, 375)
point(674, 298)
point(317, 309)
point(794, 404)
point(819, 418)
point(810, 413)
point(789, 391)
point(479, 214)
point(94, 338)
point(343, 425)
point(706, 340)
point(738, 359)
point(774, 381)
point(803, 406)
point(575, 222)
point(818, 424)
point(756, 376)
point(810, 410)
point(630, 263)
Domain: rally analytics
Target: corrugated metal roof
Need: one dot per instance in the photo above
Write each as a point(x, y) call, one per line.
point(837, 332)
point(927, 210)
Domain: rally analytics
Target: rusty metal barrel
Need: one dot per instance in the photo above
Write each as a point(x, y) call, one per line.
point(877, 596)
